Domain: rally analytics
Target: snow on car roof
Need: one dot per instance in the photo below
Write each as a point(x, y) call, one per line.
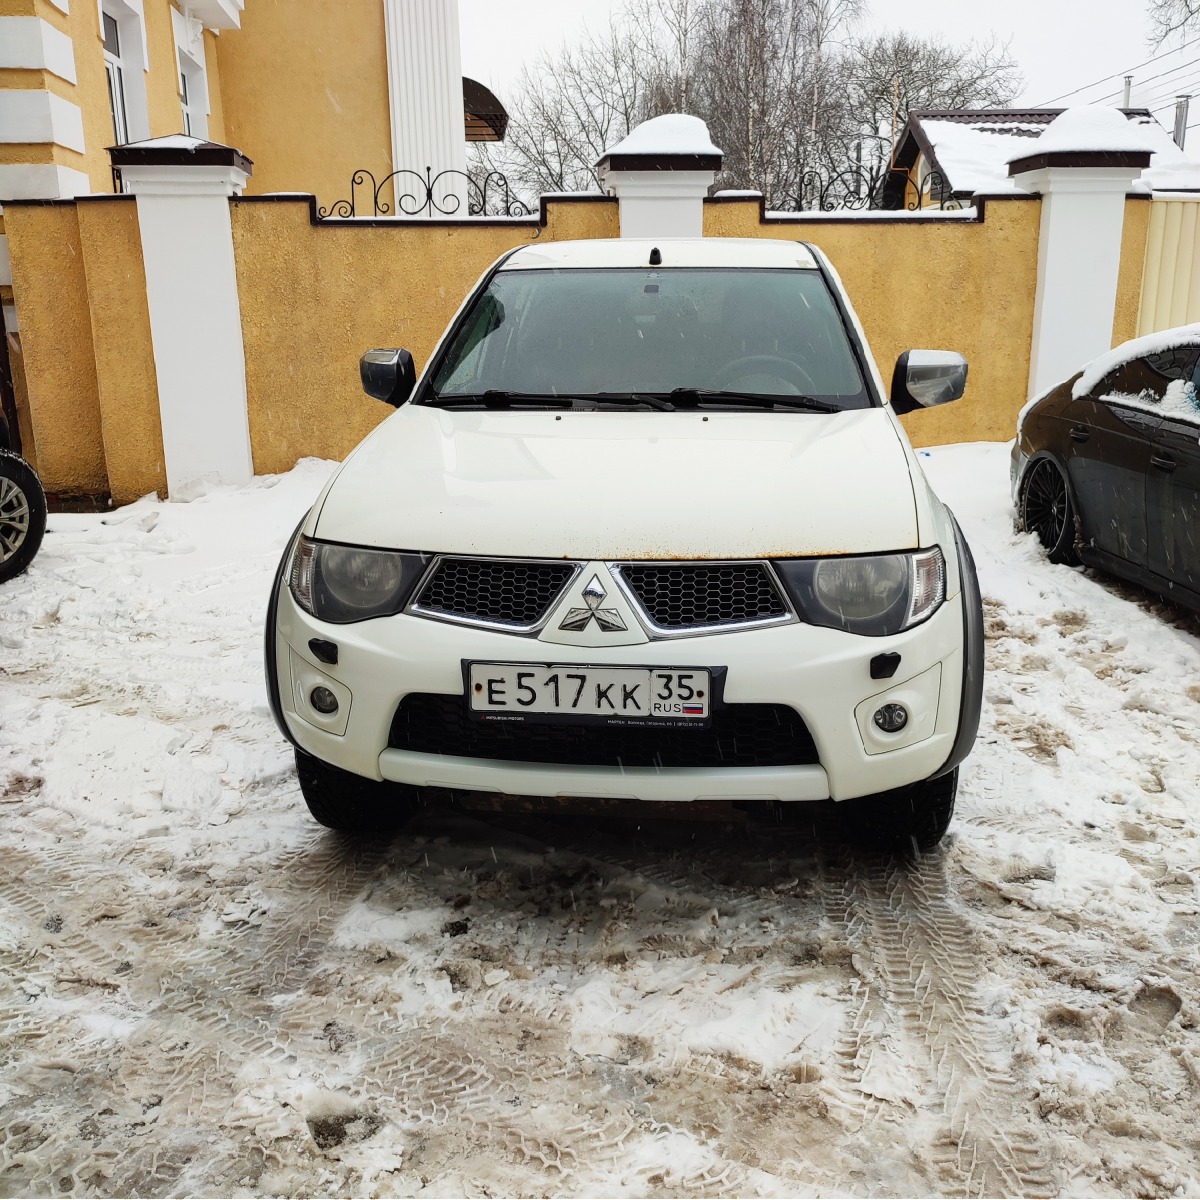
point(676, 252)
point(1151, 343)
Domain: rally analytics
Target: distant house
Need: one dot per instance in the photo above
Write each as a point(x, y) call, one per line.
point(946, 156)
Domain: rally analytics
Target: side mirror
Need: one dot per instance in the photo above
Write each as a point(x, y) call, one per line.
point(388, 375)
point(927, 378)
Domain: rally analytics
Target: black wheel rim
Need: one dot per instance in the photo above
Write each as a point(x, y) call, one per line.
point(14, 518)
point(1046, 504)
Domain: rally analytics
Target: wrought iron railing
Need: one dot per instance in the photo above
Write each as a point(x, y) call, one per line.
point(429, 195)
point(861, 189)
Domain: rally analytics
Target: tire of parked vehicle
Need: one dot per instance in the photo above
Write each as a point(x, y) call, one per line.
point(22, 514)
point(1047, 510)
point(909, 819)
point(349, 803)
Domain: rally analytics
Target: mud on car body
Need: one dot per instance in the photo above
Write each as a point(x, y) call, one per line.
point(646, 528)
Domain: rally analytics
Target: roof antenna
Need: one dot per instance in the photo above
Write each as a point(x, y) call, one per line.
point(656, 257)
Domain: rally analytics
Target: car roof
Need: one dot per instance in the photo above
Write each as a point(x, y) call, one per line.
point(675, 252)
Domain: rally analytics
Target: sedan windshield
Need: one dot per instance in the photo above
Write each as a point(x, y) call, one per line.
point(653, 338)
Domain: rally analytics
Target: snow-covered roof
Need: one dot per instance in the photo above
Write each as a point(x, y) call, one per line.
point(972, 148)
point(673, 133)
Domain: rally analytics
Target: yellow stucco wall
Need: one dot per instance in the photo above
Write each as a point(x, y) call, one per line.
point(127, 388)
point(1133, 260)
point(50, 288)
point(937, 285)
point(305, 94)
point(315, 297)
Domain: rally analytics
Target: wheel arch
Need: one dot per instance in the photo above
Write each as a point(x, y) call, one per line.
point(1053, 457)
point(970, 706)
point(270, 658)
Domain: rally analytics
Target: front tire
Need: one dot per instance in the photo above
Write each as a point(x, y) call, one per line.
point(909, 819)
point(22, 515)
point(349, 803)
point(1047, 511)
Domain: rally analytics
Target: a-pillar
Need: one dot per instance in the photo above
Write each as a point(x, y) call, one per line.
point(1079, 253)
point(183, 188)
point(426, 101)
point(660, 175)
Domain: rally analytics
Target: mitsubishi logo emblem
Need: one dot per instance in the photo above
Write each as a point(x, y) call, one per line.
point(577, 619)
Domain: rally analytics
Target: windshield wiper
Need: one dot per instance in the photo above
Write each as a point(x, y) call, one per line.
point(745, 399)
point(650, 399)
point(496, 398)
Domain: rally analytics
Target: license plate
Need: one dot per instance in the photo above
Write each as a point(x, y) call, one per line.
point(615, 695)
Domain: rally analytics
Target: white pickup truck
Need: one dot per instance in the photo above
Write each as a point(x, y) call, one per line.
point(646, 528)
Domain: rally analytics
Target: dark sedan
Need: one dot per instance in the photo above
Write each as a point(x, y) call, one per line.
point(1106, 466)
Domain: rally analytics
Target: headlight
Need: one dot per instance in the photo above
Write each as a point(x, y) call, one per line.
point(341, 584)
point(877, 595)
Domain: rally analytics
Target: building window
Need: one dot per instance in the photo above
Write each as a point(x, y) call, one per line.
point(116, 79)
point(193, 75)
point(183, 99)
point(125, 65)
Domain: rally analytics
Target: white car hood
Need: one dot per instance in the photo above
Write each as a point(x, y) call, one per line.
point(626, 485)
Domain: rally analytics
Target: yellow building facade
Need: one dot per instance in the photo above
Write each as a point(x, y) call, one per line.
point(312, 90)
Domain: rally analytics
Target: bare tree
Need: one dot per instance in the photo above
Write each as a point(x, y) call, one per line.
point(789, 90)
point(1169, 17)
point(897, 72)
point(573, 105)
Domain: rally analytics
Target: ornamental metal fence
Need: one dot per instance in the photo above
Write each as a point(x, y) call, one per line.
point(413, 194)
point(857, 188)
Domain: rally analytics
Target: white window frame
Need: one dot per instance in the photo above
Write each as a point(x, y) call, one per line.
point(132, 63)
point(191, 67)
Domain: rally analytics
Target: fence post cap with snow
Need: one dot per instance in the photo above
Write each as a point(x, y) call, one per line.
point(178, 164)
point(660, 174)
point(1082, 166)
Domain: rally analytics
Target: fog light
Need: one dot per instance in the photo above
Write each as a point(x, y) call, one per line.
point(891, 718)
point(324, 701)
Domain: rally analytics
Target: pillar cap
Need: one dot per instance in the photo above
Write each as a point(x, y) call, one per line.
point(673, 142)
point(1088, 135)
point(179, 150)
point(1134, 160)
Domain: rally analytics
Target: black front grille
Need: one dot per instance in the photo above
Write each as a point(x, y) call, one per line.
point(740, 735)
point(683, 595)
point(512, 593)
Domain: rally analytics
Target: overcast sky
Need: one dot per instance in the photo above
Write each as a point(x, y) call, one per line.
point(1060, 45)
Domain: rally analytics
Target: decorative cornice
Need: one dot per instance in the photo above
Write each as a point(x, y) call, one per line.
point(660, 162)
point(1134, 160)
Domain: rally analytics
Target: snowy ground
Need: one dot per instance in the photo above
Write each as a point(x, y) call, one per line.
point(202, 992)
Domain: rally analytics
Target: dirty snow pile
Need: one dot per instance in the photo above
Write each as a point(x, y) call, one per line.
point(202, 992)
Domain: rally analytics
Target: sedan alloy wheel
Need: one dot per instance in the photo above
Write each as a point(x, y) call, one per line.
point(1046, 510)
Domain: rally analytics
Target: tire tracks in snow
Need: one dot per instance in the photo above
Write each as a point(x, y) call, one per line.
point(925, 970)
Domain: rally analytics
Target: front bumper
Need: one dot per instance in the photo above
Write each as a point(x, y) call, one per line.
point(823, 674)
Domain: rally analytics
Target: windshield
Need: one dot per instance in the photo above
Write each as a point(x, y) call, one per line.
point(719, 335)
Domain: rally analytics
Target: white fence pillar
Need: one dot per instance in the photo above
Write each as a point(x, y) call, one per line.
point(426, 100)
point(660, 175)
point(183, 188)
point(1079, 245)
